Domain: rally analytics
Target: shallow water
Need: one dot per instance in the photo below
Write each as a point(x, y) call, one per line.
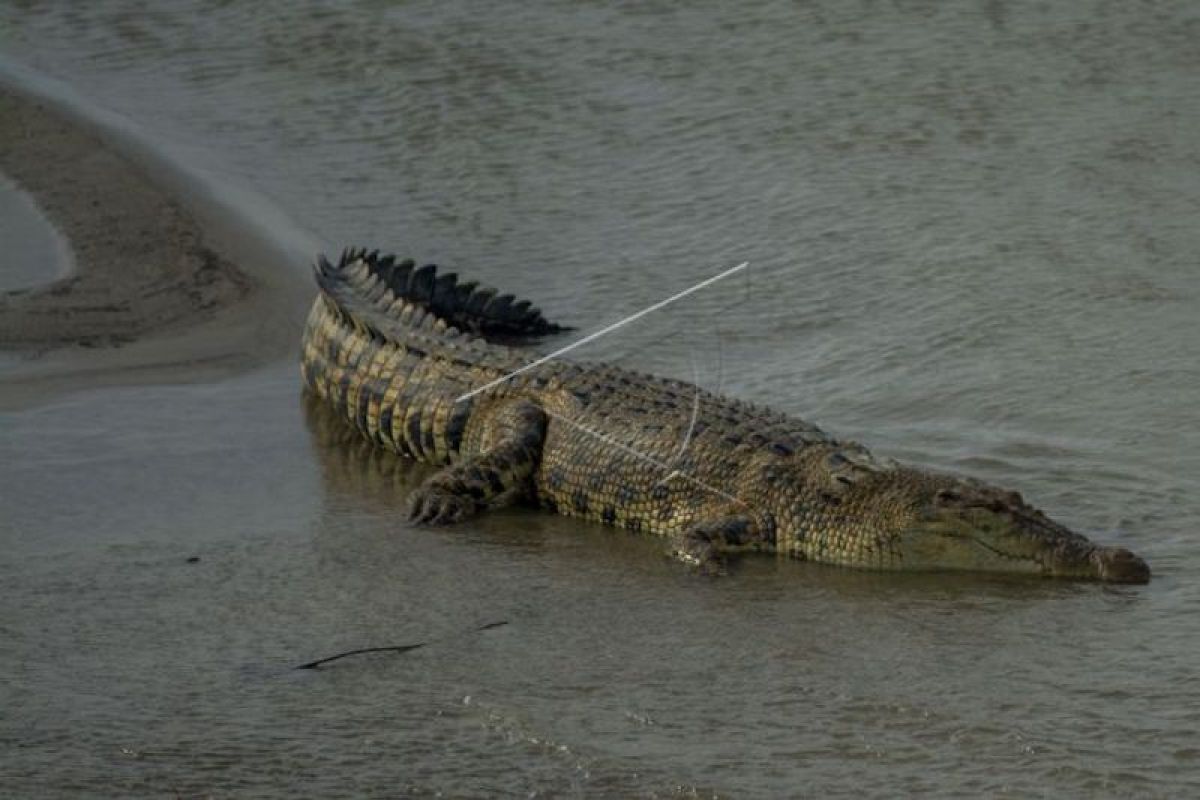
point(973, 245)
point(35, 252)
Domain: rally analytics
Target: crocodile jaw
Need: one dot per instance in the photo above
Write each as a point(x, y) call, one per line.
point(980, 540)
point(1117, 565)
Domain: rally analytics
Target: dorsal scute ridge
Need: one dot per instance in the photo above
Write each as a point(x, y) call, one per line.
point(362, 278)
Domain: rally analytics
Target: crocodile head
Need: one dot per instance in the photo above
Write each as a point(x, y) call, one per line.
point(903, 518)
point(963, 524)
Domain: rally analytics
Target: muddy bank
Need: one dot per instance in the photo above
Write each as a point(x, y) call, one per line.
point(166, 284)
point(142, 263)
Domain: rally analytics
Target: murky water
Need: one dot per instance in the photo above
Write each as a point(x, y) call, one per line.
point(35, 252)
point(973, 245)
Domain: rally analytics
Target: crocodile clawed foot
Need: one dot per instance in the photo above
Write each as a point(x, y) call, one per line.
point(702, 558)
point(705, 546)
point(433, 507)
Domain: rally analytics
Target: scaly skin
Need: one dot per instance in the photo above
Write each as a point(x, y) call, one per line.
point(389, 347)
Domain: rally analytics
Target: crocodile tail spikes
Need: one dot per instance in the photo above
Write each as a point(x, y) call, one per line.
point(363, 277)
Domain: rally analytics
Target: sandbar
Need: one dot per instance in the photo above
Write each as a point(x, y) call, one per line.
point(154, 294)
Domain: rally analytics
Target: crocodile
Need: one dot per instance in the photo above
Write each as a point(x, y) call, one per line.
point(440, 370)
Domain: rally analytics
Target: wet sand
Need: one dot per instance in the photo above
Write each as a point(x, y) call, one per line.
point(156, 294)
point(143, 264)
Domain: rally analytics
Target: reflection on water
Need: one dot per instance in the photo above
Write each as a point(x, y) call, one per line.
point(356, 472)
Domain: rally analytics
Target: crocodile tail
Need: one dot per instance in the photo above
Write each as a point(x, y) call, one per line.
point(373, 291)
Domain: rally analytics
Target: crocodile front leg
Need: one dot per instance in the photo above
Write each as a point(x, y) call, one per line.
point(705, 545)
point(510, 449)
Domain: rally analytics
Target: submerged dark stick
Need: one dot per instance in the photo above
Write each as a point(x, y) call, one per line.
point(397, 648)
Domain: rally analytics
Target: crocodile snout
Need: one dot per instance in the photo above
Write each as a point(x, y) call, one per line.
point(1118, 565)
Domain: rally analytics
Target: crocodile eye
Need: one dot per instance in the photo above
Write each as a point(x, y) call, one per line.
point(947, 496)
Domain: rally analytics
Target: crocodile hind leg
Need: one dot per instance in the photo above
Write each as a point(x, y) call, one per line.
point(510, 447)
point(705, 544)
